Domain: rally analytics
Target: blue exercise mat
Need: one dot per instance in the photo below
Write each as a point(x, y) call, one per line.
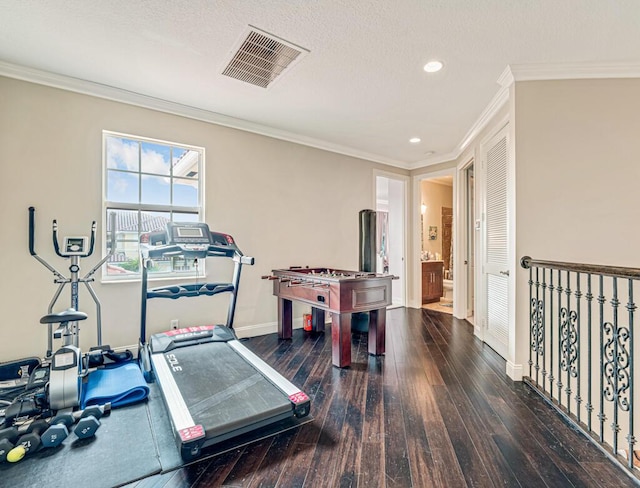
point(122, 385)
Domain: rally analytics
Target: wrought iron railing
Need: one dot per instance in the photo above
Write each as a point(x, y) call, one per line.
point(582, 348)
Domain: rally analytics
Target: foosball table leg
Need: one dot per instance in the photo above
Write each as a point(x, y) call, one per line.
point(377, 325)
point(317, 319)
point(285, 318)
point(341, 339)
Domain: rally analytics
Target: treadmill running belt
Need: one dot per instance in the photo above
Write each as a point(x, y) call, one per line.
point(221, 390)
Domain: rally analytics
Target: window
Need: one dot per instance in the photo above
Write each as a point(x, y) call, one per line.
point(148, 183)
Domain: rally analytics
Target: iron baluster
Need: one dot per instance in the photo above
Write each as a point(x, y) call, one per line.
point(551, 377)
point(532, 345)
point(578, 295)
point(538, 328)
point(569, 342)
point(560, 341)
point(601, 416)
point(589, 297)
point(631, 307)
point(615, 365)
point(544, 329)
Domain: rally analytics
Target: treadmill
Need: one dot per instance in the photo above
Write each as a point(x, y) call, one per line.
point(214, 387)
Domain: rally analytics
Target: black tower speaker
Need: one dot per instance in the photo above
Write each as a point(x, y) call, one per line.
point(360, 320)
point(367, 241)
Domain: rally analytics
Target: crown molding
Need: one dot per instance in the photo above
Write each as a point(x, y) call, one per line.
point(440, 158)
point(496, 103)
point(511, 74)
point(506, 79)
point(531, 72)
point(111, 93)
point(573, 71)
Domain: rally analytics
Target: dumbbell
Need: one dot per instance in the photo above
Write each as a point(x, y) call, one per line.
point(28, 443)
point(89, 420)
point(89, 423)
point(8, 438)
point(87, 426)
point(58, 430)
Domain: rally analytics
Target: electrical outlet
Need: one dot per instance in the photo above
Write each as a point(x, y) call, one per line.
point(175, 323)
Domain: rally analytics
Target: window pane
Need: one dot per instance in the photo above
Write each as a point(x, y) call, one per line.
point(125, 260)
point(122, 187)
point(185, 217)
point(122, 153)
point(185, 192)
point(155, 158)
point(156, 189)
point(186, 163)
point(155, 221)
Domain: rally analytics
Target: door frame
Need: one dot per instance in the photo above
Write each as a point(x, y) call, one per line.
point(462, 232)
point(414, 261)
point(405, 220)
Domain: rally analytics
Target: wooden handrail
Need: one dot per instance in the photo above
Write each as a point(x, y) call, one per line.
point(613, 271)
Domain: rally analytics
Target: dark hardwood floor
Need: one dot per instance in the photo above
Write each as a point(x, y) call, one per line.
point(436, 410)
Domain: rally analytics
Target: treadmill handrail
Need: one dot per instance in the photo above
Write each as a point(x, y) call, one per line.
point(219, 249)
point(190, 290)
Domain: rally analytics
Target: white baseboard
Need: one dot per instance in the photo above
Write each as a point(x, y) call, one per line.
point(477, 331)
point(133, 348)
point(258, 329)
point(263, 329)
point(514, 371)
point(244, 331)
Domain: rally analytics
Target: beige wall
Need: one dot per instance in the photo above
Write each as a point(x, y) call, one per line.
point(286, 204)
point(434, 196)
point(577, 176)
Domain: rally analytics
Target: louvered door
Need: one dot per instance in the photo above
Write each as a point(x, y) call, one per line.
point(496, 270)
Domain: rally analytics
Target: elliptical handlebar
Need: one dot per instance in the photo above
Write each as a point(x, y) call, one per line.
point(54, 236)
point(31, 231)
point(112, 247)
point(92, 242)
point(32, 250)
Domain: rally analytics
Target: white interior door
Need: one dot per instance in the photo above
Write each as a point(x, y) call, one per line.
point(495, 267)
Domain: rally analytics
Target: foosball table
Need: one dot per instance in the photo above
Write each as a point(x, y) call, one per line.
point(341, 293)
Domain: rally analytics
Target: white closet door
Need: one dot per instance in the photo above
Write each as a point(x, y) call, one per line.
point(496, 271)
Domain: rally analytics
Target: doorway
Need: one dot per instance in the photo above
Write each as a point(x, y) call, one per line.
point(390, 206)
point(472, 227)
point(436, 243)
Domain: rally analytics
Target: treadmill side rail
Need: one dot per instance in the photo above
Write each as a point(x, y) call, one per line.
point(301, 404)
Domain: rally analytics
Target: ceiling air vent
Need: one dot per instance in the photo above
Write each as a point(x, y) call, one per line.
point(261, 58)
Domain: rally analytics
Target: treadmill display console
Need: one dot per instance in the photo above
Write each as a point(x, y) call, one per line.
point(188, 233)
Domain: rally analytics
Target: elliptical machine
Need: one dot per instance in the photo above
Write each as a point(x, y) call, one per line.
point(64, 369)
point(74, 249)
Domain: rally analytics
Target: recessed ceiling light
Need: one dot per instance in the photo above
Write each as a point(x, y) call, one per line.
point(414, 140)
point(433, 66)
point(429, 153)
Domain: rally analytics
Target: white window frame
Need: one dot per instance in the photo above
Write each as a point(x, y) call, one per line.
point(141, 207)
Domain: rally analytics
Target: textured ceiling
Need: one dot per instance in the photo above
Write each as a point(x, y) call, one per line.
point(361, 87)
